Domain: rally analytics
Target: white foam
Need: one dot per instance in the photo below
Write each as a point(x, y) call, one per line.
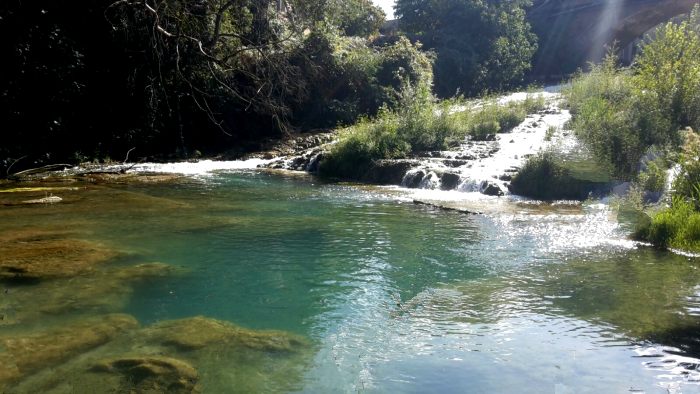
point(202, 167)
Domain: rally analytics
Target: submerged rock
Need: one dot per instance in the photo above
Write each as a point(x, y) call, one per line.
point(44, 200)
point(152, 374)
point(199, 332)
point(39, 254)
point(24, 354)
point(104, 291)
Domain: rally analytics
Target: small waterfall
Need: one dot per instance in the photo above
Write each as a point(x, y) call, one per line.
point(430, 181)
point(488, 166)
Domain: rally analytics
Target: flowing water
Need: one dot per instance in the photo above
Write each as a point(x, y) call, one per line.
point(394, 296)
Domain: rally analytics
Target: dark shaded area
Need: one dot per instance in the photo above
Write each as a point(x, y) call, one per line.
point(176, 79)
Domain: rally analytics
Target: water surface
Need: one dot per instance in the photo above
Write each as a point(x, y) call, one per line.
point(399, 297)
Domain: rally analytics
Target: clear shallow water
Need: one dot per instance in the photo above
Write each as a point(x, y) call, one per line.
point(398, 297)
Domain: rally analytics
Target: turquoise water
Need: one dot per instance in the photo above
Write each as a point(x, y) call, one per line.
point(399, 297)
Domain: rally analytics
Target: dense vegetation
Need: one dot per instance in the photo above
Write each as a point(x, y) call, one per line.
point(480, 46)
point(636, 119)
point(90, 82)
point(85, 81)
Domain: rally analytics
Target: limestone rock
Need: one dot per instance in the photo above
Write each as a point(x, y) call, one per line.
point(39, 254)
point(449, 181)
point(491, 189)
point(198, 332)
point(24, 354)
point(155, 374)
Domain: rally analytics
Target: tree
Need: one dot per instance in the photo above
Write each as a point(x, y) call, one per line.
point(481, 45)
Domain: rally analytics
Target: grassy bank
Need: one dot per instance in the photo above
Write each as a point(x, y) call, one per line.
point(421, 124)
point(639, 120)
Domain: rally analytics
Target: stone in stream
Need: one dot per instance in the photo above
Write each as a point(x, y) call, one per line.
point(152, 374)
point(103, 291)
point(44, 200)
point(24, 354)
point(110, 354)
point(491, 189)
point(388, 172)
point(199, 332)
point(449, 181)
point(412, 179)
point(31, 254)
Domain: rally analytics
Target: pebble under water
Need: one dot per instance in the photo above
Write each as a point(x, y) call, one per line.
point(365, 291)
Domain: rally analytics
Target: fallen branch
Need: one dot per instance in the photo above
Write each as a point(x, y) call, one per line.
point(50, 167)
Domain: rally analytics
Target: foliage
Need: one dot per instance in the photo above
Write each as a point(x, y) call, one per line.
point(355, 17)
point(544, 177)
point(480, 45)
point(676, 227)
point(667, 72)
point(621, 113)
point(689, 177)
point(347, 78)
point(92, 81)
point(419, 123)
point(653, 176)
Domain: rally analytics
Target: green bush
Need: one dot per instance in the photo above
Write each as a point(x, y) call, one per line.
point(676, 227)
point(543, 177)
point(482, 131)
point(687, 183)
point(621, 113)
point(346, 78)
point(653, 177)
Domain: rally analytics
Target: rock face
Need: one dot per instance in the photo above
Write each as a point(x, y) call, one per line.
point(39, 254)
point(388, 172)
point(153, 374)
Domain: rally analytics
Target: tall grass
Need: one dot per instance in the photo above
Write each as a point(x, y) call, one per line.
point(420, 124)
point(676, 227)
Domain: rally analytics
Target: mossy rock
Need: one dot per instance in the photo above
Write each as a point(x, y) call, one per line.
point(152, 374)
point(544, 178)
point(24, 354)
point(199, 332)
point(103, 291)
point(39, 254)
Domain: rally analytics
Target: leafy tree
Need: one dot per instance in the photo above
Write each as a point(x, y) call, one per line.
point(356, 17)
point(95, 80)
point(481, 45)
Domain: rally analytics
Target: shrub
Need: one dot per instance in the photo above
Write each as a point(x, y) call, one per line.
point(620, 113)
point(677, 227)
point(687, 182)
point(653, 177)
point(543, 177)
